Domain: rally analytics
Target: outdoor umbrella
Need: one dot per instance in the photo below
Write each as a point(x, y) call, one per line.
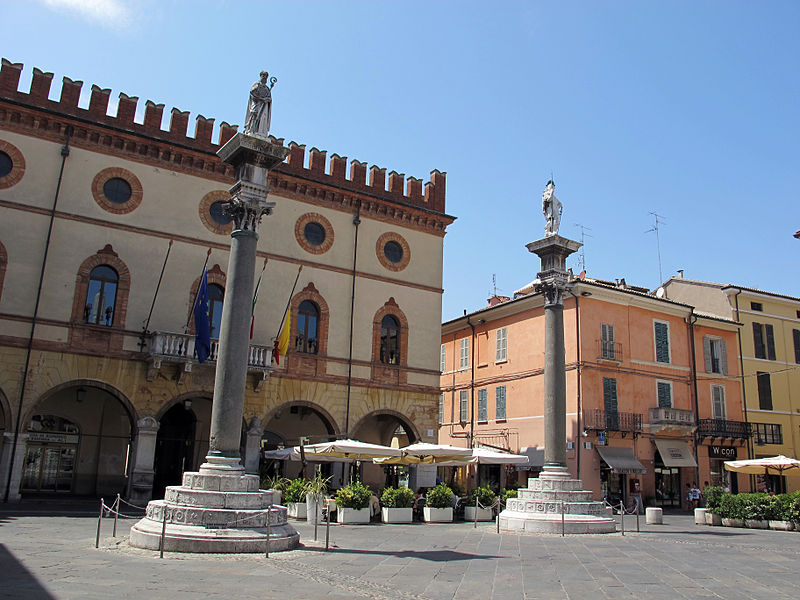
point(293, 454)
point(426, 453)
point(352, 449)
point(772, 465)
point(484, 456)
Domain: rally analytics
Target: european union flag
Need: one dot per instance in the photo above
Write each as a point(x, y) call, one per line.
point(202, 325)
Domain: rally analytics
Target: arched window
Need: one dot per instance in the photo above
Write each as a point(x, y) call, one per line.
point(101, 296)
point(307, 339)
point(390, 340)
point(215, 297)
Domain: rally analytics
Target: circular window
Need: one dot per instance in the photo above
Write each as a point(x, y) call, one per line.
point(393, 251)
point(212, 212)
point(12, 165)
point(117, 190)
point(218, 214)
point(314, 233)
point(6, 164)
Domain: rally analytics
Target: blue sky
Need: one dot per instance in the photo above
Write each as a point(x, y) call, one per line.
point(685, 109)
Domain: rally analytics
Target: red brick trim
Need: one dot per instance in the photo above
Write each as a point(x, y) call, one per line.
point(310, 364)
point(215, 275)
point(391, 236)
point(3, 266)
point(17, 168)
point(99, 338)
point(114, 207)
point(299, 233)
point(320, 410)
point(205, 212)
point(382, 372)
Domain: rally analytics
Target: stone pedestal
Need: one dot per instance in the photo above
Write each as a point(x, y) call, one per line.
point(215, 513)
point(537, 509)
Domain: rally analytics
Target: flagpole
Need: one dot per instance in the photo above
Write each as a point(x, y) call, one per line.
point(285, 311)
point(194, 302)
point(255, 298)
point(155, 295)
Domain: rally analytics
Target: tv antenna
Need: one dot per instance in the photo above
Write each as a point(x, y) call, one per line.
point(582, 255)
point(494, 285)
point(658, 221)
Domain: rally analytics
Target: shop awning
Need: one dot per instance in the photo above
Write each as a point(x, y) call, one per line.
point(621, 460)
point(675, 453)
point(535, 456)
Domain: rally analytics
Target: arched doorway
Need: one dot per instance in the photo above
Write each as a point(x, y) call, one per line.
point(387, 428)
point(181, 443)
point(79, 441)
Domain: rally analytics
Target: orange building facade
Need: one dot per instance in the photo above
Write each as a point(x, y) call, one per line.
point(653, 399)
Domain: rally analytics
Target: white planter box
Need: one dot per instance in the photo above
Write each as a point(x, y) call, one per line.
point(781, 525)
point(484, 514)
point(352, 515)
point(756, 524)
point(713, 519)
point(296, 510)
point(732, 522)
point(314, 509)
point(700, 516)
point(437, 515)
point(397, 515)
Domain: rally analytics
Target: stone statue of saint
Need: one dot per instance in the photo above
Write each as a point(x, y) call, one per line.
point(259, 107)
point(551, 208)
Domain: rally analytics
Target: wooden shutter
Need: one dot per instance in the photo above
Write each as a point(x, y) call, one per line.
point(662, 342)
point(707, 352)
point(758, 341)
point(770, 342)
point(764, 391)
point(610, 394)
point(723, 356)
point(796, 335)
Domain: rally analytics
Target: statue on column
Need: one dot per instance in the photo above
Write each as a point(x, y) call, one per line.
point(259, 107)
point(551, 207)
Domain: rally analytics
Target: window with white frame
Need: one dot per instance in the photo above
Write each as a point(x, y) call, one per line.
point(463, 406)
point(463, 353)
point(661, 334)
point(718, 410)
point(715, 352)
point(664, 393)
point(443, 359)
point(607, 346)
point(500, 402)
point(483, 413)
point(502, 345)
point(441, 409)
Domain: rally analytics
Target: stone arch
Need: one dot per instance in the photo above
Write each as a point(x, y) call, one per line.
point(408, 425)
point(268, 422)
point(5, 414)
point(311, 293)
point(104, 256)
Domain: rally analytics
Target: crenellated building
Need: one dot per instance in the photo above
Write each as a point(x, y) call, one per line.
point(106, 224)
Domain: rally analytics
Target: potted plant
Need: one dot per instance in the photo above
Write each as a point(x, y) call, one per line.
point(713, 495)
point(396, 505)
point(438, 505)
point(277, 485)
point(794, 509)
point(479, 504)
point(755, 511)
point(779, 512)
point(352, 503)
point(295, 498)
point(730, 510)
point(316, 488)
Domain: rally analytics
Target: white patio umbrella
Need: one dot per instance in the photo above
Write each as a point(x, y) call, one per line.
point(771, 465)
point(484, 456)
point(422, 452)
point(352, 449)
point(293, 455)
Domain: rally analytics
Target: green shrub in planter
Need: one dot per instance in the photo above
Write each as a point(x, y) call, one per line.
point(506, 494)
point(274, 483)
point(440, 496)
point(713, 494)
point(354, 495)
point(401, 497)
point(754, 506)
point(484, 495)
point(296, 490)
point(730, 507)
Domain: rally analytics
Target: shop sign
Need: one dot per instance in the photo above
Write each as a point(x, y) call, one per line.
point(51, 437)
point(601, 438)
point(722, 452)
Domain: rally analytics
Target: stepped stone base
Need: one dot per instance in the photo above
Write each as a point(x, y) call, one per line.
point(215, 511)
point(537, 509)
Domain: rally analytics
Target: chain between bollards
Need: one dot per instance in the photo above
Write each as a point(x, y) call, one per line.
point(637, 517)
point(99, 520)
point(269, 513)
point(116, 515)
point(622, 517)
point(163, 532)
point(327, 526)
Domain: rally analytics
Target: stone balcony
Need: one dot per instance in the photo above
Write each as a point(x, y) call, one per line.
point(178, 348)
point(622, 422)
point(671, 419)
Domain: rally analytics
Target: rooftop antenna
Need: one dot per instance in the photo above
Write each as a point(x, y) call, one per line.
point(582, 255)
point(494, 285)
point(656, 218)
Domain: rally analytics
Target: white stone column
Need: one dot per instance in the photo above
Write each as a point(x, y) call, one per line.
point(252, 449)
point(16, 469)
point(143, 452)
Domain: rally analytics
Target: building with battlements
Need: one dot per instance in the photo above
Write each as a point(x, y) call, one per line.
point(106, 224)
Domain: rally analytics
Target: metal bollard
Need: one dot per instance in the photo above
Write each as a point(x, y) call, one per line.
point(99, 520)
point(622, 517)
point(637, 518)
point(327, 529)
point(116, 516)
point(498, 524)
point(315, 507)
point(269, 511)
point(562, 519)
point(475, 524)
point(163, 532)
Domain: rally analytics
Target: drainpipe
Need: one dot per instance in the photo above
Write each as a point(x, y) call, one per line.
point(472, 386)
point(64, 154)
point(749, 442)
point(691, 321)
point(579, 432)
point(356, 223)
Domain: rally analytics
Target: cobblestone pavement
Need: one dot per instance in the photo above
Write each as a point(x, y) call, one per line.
point(46, 556)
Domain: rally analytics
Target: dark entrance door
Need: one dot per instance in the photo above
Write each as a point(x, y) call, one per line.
point(668, 484)
point(174, 448)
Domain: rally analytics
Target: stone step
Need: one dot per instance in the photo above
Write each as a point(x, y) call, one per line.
point(215, 518)
point(559, 495)
point(220, 483)
point(540, 483)
point(520, 505)
point(182, 496)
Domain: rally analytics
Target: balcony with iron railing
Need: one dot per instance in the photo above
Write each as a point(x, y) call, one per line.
point(723, 428)
point(623, 422)
point(178, 348)
point(609, 350)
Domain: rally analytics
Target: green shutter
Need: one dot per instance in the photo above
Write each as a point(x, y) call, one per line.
point(758, 341)
point(770, 342)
